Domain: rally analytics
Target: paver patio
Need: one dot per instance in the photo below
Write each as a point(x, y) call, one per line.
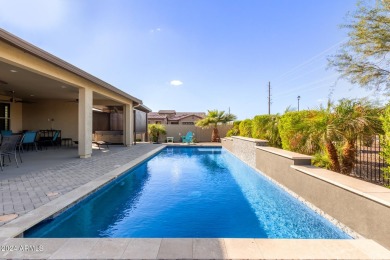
point(24, 189)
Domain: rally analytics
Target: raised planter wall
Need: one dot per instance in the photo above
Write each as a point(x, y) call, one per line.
point(245, 148)
point(227, 143)
point(362, 206)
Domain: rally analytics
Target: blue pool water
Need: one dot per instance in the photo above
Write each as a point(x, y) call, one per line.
point(190, 192)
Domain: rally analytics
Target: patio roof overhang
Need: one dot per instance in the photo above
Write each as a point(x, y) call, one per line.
point(143, 108)
point(45, 85)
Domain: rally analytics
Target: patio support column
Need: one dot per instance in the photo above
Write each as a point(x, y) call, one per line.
point(128, 125)
point(85, 122)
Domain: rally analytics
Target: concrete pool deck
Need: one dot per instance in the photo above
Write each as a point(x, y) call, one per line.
point(65, 183)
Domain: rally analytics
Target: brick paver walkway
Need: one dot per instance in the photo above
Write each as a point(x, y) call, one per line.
point(24, 193)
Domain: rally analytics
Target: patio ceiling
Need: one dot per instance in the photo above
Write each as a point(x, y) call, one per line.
point(30, 86)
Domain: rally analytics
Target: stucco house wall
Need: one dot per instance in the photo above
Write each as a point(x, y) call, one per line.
point(38, 116)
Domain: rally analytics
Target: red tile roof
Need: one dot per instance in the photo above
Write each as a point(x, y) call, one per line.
point(166, 112)
point(155, 115)
point(183, 116)
point(176, 117)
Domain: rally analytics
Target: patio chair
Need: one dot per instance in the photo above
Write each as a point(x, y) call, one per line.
point(187, 138)
point(5, 133)
point(51, 141)
point(28, 139)
point(9, 147)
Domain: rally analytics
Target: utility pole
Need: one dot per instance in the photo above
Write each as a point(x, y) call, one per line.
point(269, 97)
point(299, 97)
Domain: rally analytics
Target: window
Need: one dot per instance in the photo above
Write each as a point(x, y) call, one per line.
point(188, 123)
point(4, 116)
point(174, 123)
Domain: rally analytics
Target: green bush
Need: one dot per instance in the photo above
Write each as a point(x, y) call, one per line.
point(246, 128)
point(266, 127)
point(155, 130)
point(322, 160)
point(385, 118)
point(235, 130)
point(295, 131)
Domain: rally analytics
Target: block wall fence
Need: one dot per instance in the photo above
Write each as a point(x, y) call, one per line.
point(201, 135)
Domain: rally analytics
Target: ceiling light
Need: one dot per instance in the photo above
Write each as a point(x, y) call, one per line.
point(63, 87)
point(97, 109)
point(32, 95)
point(13, 71)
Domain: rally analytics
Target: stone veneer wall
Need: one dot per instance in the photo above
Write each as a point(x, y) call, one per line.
point(227, 143)
point(362, 206)
point(245, 148)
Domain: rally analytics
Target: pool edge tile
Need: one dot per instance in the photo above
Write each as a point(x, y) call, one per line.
point(108, 248)
point(344, 249)
point(176, 248)
point(371, 248)
point(209, 248)
point(242, 248)
point(142, 248)
point(38, 248)
point(293, 248)
point(75, 248)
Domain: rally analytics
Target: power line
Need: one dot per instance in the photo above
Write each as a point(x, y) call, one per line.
point(310, 60)
point(302, 75)
point(304, 87)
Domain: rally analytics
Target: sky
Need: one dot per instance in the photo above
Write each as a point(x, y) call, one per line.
point(197, 55)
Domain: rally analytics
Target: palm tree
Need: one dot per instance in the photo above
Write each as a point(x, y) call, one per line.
point(322, 131)
point(213, 118)
point(155, 130)
point(340, 126)
point(354, 119)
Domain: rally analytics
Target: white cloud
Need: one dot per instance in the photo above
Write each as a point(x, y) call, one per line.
point(176, 83)
point(37, 14)
point(156, 30)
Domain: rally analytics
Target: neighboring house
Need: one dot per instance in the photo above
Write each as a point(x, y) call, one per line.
point(171, 117)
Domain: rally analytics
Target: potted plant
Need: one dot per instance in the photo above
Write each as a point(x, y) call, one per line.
point(155, 130)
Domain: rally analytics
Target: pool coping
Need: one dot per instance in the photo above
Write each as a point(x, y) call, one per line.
point(14, 246)
point(284, 153)
point(189, 248)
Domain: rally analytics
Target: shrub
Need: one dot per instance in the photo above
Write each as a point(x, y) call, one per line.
point(295, 131)
point(246, 128)
point(155, 130)
point(235, 130)
point(385, 118)
point(322, 160)
point(266, 127)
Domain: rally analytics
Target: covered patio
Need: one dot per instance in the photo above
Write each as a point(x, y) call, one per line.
point(43, 92)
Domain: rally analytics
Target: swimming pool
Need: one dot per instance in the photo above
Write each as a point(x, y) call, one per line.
point(190, 192)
